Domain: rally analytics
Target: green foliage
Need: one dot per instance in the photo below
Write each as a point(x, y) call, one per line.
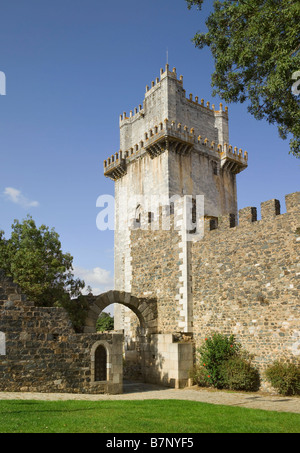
point(255, 46)
point(284, 377)
point(237, 373)
point(224, 365)
point(214, 351)
point(3, 253)
point(105, 322)
point(77, 309)
point(199, 376)
point(34, 259)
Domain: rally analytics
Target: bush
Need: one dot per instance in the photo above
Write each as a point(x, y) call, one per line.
point(284, 377)
point(213, 353)
point(199, 376)
point(222, 363)
point(238, 373)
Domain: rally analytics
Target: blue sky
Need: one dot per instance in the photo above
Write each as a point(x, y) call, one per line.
point(72, 67)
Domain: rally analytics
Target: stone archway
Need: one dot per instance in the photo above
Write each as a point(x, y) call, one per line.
point(144, 308)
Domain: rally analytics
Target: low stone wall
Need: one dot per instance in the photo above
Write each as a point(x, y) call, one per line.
point(42, 353)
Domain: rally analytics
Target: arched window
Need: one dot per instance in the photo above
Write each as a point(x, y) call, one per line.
point(100, 364)
point(2, 344)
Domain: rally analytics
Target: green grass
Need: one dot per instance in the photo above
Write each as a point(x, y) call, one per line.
point(151, 416)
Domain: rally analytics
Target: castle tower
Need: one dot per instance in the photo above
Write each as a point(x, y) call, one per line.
point(172, 145)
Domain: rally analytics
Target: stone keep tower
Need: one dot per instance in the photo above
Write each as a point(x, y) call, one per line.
point(173, 145)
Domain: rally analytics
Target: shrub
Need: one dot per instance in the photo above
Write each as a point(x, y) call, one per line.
point(214, 352)
point(238, 373)
point(199, 376)
point(222, 363)
point(284, 377)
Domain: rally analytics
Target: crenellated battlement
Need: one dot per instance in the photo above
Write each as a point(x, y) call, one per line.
point(169, 217)
point(170, 120)
point(139, 112)
point(167, 98)
point(169, 135)
point(269, 210)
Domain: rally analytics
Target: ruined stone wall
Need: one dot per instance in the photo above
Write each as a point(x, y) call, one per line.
point(43, 353)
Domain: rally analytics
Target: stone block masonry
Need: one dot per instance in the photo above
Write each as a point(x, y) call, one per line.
point(168, 361)
point(244, 279)
point(156, 272)
point(171, 146)
point(41, 352)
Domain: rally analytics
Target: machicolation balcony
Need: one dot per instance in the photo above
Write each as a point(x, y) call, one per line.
point(233, 159)
point(175, 137)
point(115, 166)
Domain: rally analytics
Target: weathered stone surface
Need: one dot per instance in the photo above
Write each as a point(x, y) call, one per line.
point(242, 277)
point(172, 146)
point(245, 280)
point(40, 351)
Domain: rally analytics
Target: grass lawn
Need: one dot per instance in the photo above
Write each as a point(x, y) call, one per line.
point(150, 416)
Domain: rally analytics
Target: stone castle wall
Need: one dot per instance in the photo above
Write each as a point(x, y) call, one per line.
point(41, 352)
point(155, 264)
point(245, 279)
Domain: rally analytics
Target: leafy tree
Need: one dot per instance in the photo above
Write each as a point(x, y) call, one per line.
point(105, 322)
point(3, 251)
point(255, 46)
point(34, 259)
